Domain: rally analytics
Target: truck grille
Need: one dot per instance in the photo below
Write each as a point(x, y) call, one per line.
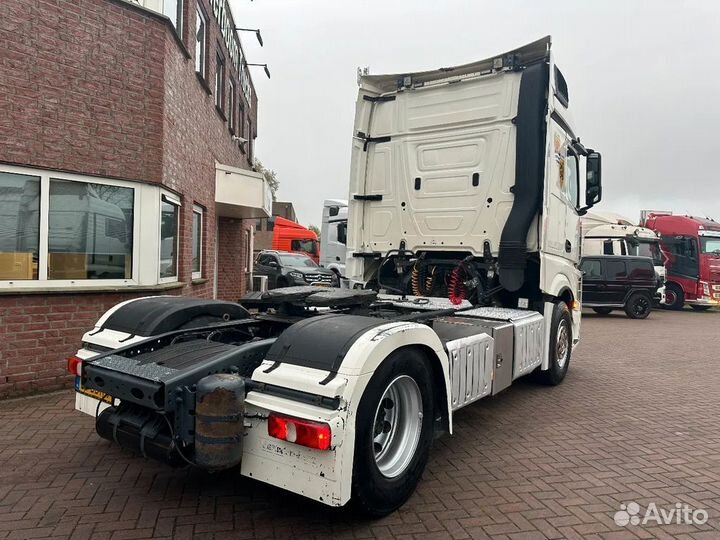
point(322, 278)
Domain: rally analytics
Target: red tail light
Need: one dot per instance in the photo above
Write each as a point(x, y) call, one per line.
point(303, 432)
point(74, 366)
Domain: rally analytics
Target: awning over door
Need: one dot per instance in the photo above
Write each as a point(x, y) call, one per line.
point(241, 193)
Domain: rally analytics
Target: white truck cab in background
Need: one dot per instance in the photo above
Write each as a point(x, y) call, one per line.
point(333, 235)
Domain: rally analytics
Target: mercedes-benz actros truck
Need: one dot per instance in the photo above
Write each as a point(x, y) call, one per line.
point(463, 247)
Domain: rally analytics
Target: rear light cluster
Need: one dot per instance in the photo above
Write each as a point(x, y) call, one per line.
point(74, 366)
point(298, 431)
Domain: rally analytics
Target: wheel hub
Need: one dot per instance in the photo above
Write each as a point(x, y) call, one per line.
point(562, 345)
point(397, 426)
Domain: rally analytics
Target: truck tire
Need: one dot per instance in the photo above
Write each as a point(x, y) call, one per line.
point(674, 297)
point(602, 310)
point(560, 346)
point(699, 308)
point(638, 306)
point(393, 433)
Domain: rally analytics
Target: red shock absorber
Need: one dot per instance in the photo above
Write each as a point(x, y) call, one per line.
point(456, 288)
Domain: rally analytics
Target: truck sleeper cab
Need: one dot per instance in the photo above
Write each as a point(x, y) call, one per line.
point(336, 394)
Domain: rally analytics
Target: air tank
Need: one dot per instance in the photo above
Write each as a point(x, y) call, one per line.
point(219, 421)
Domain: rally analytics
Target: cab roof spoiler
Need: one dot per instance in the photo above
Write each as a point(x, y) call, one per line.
point(532, 53)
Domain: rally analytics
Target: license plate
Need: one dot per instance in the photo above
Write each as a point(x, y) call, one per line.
point(321, 284)
point(100, 396)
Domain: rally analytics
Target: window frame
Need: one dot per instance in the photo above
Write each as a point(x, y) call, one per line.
point(220, 81)
point(178, 21)
point(200, 211)
point(201, 56)
point(140, 192)
point(231, 105)
point(171, 198)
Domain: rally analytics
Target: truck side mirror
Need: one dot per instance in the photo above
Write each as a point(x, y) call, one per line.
point(593, 179)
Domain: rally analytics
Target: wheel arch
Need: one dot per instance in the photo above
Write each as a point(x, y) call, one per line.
point(371, 350)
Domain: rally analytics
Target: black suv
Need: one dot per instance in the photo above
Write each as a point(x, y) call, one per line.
point(618, 282)
point(285, 269)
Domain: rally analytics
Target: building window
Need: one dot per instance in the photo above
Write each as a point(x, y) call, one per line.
point(64, 230)
point(220, 82)
point(200, 42)
point(241, 119)
point(173, 10)
point(231, 106)
point(197, 242)
point(169, 238)
point(90, 231)
point(250, 142)
point(19, 226)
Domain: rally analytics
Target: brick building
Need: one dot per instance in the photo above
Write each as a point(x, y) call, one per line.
point(126, 146)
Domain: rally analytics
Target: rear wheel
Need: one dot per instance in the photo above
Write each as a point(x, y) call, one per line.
point(560, 346)
point(393, 433)
point(674, 296)
point(700, 308)
point(602, 310)
point(638, 306)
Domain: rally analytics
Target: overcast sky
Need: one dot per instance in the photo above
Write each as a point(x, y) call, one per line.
point(643, 79)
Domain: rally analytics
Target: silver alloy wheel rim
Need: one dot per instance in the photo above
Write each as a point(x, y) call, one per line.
point(562, 346)
point(397, 426)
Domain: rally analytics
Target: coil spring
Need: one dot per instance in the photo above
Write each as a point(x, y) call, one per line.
point(456, 289)
point(422, 282)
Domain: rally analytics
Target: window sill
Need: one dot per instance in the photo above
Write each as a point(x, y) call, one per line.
point(199, 281)
point(203, 83)
point(221, 113)
point(81, 289)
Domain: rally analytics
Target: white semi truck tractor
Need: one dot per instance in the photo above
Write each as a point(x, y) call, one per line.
point(463, 251)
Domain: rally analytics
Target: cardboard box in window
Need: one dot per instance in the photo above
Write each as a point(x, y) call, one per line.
point(67, 266)
point(16, 265)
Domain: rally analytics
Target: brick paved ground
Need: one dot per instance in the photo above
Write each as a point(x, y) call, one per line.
point(636, 420)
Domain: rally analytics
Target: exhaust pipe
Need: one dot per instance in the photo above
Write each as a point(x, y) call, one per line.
point(529, 175)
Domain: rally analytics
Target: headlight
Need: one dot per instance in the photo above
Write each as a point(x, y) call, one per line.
point(296, 275)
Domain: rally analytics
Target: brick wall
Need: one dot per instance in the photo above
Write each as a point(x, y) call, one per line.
point(38, 332)
point(196, 136)
point(232, 261)
point(102, 88)
point(82, 88)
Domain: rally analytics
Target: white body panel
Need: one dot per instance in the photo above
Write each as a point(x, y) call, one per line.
point(327, 476)
point(442, 134)
point(332, 234)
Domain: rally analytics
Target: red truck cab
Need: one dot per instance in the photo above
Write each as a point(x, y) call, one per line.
point(293, 237)
point(692, 247)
